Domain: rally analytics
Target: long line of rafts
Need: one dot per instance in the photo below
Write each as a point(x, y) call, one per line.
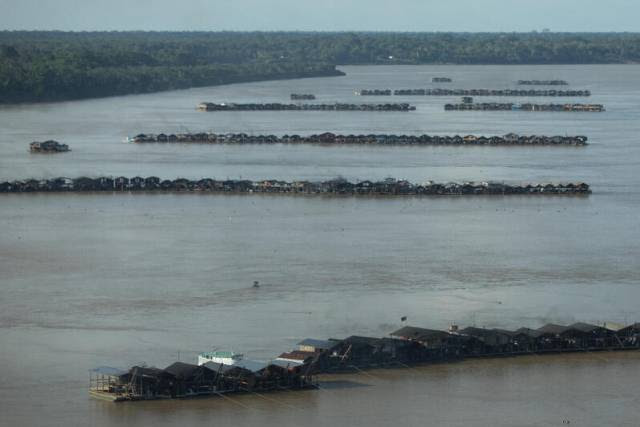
point(210, 106)
point(406, 346)
point(473, 92)
point(495, 106)
point(411, 345)
point(543, 82)
point(389, 186)
point(372, 139)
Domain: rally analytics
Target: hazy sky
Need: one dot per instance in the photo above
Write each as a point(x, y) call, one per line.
point(323, 15)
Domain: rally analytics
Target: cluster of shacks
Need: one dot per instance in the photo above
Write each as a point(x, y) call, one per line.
point(49, 146)
point(210, 106)
point(495, 106)
point(187, 380)
point(389, 187)
point(475, 92)
point(301, 96)
point(371, 139)
point(406, 346)
point(411, 345)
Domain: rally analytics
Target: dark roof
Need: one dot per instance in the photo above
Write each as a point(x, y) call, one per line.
point(222, 368)
point(552, 328)
point(358, 340)
point(628, 329)
point(181, 370)
point(584, 327)
point(320, 344)
point(483, 332)
point(285, 363)
point(419, 334)
point(527, 331)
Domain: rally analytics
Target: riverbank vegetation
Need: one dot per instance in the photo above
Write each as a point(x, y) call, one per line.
point(47, 66)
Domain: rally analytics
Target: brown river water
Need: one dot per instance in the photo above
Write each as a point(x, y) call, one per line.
point(119, 279)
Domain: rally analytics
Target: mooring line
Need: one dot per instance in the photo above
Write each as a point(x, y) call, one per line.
point(233, 400)
point(365, 373)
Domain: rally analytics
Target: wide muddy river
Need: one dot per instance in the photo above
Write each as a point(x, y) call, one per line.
point(119, 279)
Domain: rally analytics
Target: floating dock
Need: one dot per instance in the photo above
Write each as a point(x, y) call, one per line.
point(328, 138)
point(388, 187)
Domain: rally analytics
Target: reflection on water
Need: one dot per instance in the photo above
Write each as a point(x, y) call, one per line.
point(88, 280)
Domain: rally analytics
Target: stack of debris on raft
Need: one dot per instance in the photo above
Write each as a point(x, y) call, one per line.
point(49, 146)
point(387, 187)
point(543, 82)
point(302, 96)
point(493, 106)
point(221, 372)
point(371, 139)
point(210, 106)
point(475, 92)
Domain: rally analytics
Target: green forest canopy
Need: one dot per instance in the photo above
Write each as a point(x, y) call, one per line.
point(40, 65)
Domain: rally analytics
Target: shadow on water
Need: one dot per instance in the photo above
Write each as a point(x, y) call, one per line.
point(340, 384)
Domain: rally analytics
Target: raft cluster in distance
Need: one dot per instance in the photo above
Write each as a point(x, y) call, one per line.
point(493, 106)
point(49, 146)
point(302, 96)
point(389, 187)
point(473, 92)
point(222, 372)
point(543, 82)
point(371, 139)
point(210, 106)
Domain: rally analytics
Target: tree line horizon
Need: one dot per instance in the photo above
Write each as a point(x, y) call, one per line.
point(38, 66)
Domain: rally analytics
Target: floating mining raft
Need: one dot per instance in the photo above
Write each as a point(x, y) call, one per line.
point(475, 92)
point(209, 106)
point(331, 138)
point(389, 187)
point(223, 372)
point(49, 146)
point(543, 82)
point(492, 106)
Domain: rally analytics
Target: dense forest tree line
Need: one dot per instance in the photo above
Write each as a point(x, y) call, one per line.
point(39, 66)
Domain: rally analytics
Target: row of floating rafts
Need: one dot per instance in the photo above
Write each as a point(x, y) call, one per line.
point(49, 146)
point(210, 106)
point(543, 82)
point(219, 372)
point(473, 92)
point(494, 106)
point(389, 186)
point(302, 96)
point(384, 139)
